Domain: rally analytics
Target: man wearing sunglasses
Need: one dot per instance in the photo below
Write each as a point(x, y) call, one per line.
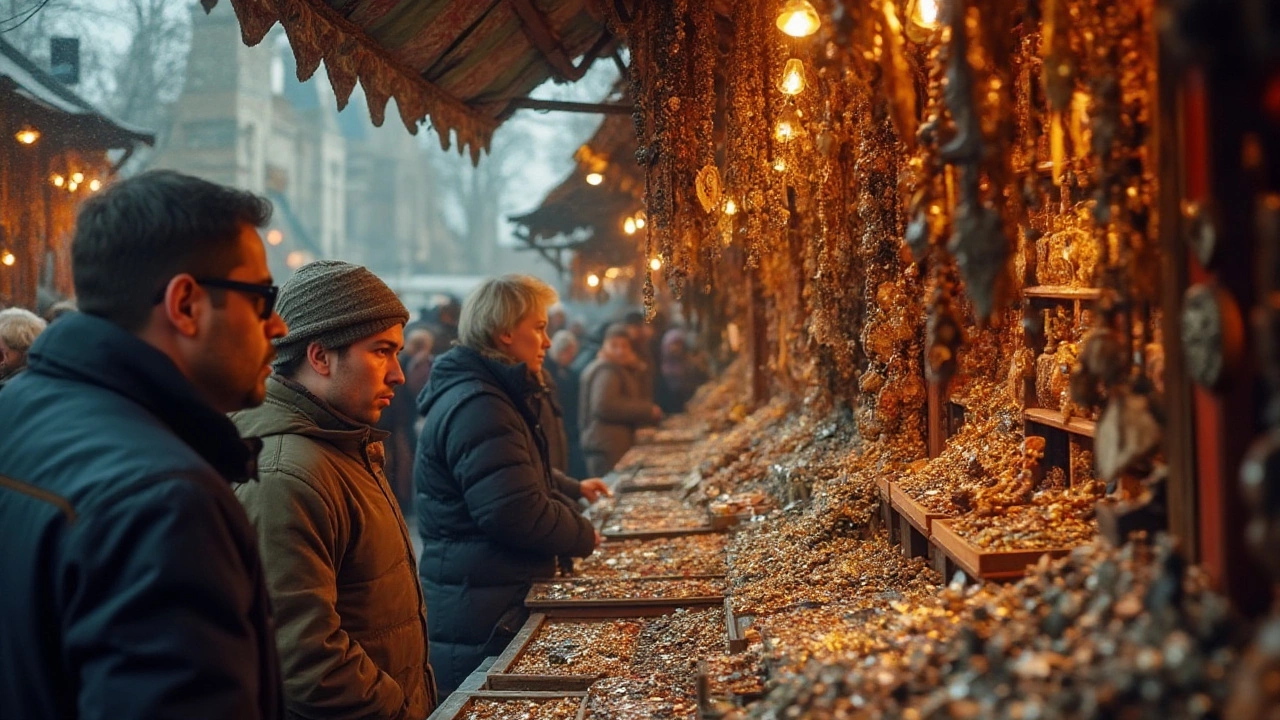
point(338, 557)
point(132, 584)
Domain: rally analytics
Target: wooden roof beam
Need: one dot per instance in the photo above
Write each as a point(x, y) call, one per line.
point(527, 103)
point(543, 37)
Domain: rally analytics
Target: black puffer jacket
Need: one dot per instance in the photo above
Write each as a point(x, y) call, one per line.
point(492, 514)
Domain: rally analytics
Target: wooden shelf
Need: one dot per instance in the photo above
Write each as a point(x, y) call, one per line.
point(919, 517)
point(1061, 292)
point(1053, 418)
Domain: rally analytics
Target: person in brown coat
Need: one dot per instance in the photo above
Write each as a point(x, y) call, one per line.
point(352, 624)
point(613, 402)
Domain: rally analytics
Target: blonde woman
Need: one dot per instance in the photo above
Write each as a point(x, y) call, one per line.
point(492, 511)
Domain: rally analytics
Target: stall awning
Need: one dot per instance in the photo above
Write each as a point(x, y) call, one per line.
point(72, 114)
point(459, 63)
point(575, 204)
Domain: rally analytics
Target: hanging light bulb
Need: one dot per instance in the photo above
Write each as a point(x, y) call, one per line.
point(792, 82)
point(8, 258)
point(923, 17)
point(593, 280)
point(95, 185)
point(612, 273)
point(594, 178)
point(629, 226)
point(789, 127)
point(77, 177)
point(798, 19)
point(780, 165)
point(730, 207)
point(58, 180)
point(72, 186)
point(640, 220)
point(27, 136)
point(655, 264)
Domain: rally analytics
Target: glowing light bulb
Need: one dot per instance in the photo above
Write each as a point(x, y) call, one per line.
point(792, 82)
point(27, 136)
point(58, 180)
point(780, 165)
point(925, 14)
point(8, 258)
point(594, 178)
point(640, 220)
point(73, 186)
point(95, 185)
point(655, 264)
point(629, 226)
point(612, 273)
point(593, 280)
point(77, 177)
point(295, 259)
point(798, 19)
point(730, 207)
point(788, 127)
point(274, 237)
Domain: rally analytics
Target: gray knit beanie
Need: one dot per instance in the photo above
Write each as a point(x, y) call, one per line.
point(335, 304)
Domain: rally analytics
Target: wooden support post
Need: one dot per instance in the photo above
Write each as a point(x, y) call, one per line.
point(759, 342)
point(914, 543)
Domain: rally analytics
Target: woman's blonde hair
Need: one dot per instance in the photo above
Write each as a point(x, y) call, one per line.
point(498, 305)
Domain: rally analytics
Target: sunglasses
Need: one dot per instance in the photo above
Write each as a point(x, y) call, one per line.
point(268, 293)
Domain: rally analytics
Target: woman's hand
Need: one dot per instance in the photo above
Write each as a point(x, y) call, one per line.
point(593, 488)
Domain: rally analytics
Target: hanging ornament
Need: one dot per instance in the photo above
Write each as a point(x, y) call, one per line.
point(789, 126)
point(708, 188)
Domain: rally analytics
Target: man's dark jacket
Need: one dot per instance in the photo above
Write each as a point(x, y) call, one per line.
point(131, 584)
point(492, 514)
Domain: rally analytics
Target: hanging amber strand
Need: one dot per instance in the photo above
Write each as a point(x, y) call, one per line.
point(705, 54)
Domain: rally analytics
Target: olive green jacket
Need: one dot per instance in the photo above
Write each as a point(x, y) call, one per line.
point(339, 564)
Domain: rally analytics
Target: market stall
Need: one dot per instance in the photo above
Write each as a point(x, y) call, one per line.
point(987, 445)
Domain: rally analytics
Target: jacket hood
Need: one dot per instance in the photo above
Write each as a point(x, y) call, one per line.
point(463, 364)
point(291, 409)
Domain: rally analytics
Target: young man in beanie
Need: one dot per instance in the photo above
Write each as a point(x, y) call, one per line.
point(339, 563)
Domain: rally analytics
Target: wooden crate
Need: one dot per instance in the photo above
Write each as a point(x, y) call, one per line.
point(986, 564)
point(620, 607)
point(456, 705)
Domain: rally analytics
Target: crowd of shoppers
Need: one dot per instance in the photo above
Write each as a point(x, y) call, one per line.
point(202, 474)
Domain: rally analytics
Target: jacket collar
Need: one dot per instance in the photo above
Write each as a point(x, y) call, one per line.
point(291, 409)
point(88, 349)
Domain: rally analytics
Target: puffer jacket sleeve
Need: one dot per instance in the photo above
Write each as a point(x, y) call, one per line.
point(503, 486)
point(609, 401)
point(155, 597)
point(327, 674)
point(571, 488)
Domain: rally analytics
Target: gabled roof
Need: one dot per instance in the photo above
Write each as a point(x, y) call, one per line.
point(91, 128)
point(460, 63)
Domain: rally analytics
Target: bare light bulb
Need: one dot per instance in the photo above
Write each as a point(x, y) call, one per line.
point(594, 178)
point(640, 220)
point(629, 226)
point(792, 82)
point(730, 207)
point(27, 136)
point(8, 258)
point(925, 14)
point(95, 185)
point(593, 280)
point(655, 264)
point(798, 19)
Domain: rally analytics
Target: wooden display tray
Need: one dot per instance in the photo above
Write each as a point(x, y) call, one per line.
point(1053, 419)
point(672, 480)
point(622, 607)
point(884, 485)
point(455, 705)
point(654, 533)
point(986, 564)
point(1061, 292)
point(499, 677)
point(920, 518)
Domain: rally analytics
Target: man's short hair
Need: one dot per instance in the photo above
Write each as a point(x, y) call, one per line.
point(498, 305)
point(131, 239)
point(19, 328)
point(561, 341)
